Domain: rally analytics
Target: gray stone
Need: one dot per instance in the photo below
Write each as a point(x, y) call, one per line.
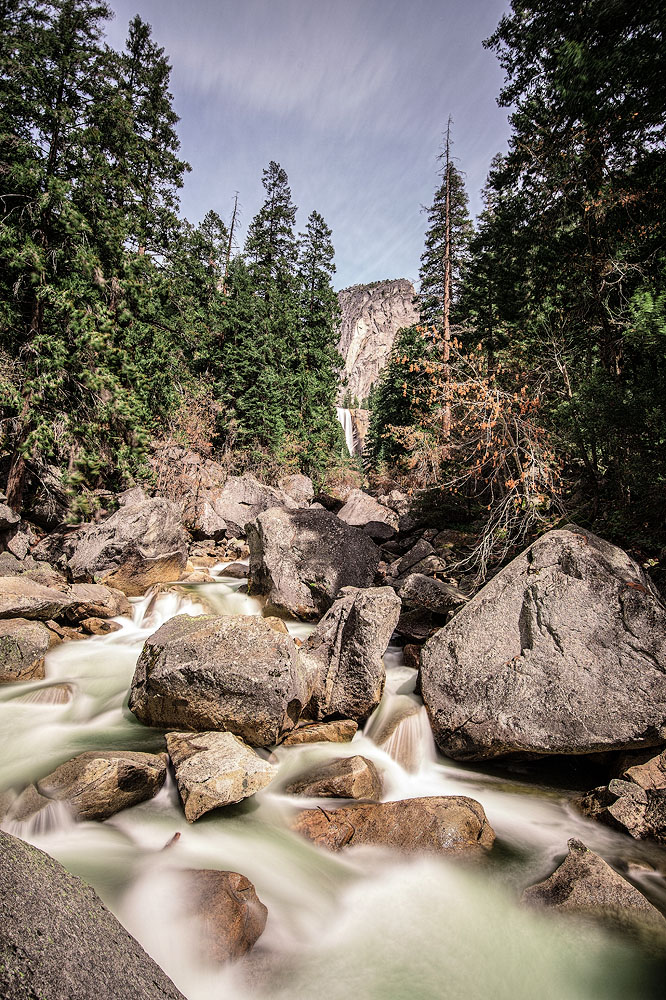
point(301, 559)
point(563, 652)
point(363, 511)
point(23, 646)
point(21, 597)
point(298, 487)
point(344, 653)
point(634, 804)
point(419, 591)
point(59, 942)
point(336, 731)
point(243, 498)
point(8, 517)
point(340, 778)
point(222, 673)
point(214, 770)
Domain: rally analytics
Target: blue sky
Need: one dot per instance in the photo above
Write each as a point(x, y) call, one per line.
point(350, 96)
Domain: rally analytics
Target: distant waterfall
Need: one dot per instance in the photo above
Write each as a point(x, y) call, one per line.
point(345, 418)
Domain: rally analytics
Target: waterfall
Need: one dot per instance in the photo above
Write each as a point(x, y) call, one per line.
point(345, 418)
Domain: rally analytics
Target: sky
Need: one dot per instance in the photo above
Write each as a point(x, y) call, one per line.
point(351, 97)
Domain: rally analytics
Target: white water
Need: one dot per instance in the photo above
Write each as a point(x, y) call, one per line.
point(345, 418)
point(364, 923)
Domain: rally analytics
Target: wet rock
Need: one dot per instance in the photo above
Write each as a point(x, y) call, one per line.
point(142, 544)
point(563, 652)
point(96, 601)
point(23, 646)
point(24, 598)
point(99, 626)
point(635, 803)
point(301, 559)
point(584, 885)
point(222, 673)
point(344, 653)
point(298, 487)
point(340, 778)
point(97, 784)
point(419, 591)
point(337, 731)
point(215, 769)
point(229, 915)
point(238, 571)
point(363, 511)
point(452, 824)
point(57, 939)
point(25, 807)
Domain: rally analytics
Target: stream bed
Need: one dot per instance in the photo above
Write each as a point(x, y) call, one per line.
point(365, 922)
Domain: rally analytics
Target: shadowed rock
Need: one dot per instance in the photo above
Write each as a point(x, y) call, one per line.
point(635, 803)
point(23, 646)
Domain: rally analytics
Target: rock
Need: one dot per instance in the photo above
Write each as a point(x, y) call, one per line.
point(97, 784)
point(298, 487)
point(636, 804)
point(416, 625)
point(414, 555)
point(58, 547)
point(243, 498)
point(236, 674)
point(412, 655)
point(23, 598)
point(204, 522)
point(23, 808)
point(301, 559)
point(215, 769)
point(64, 633)
point(58, 940)
point(8, 517)
point(229, 915)
point(586, 886)
point(450, 824)
point(18, 542)
point(419, 591)
point(99, 626)
point(363, 511)
point(563, 652)
point(337, 731)
point(238, 571)
point(340, 778)
point(31, 569)
point(23, 646)
point(96, 601)
point(140, 545)
point(344, 653)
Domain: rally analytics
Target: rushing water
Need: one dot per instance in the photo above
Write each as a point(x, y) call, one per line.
point(364, 922)
point(345, 419)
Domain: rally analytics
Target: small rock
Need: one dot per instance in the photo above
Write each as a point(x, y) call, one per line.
point(340, 778)
point(635, 805)
point(23, 646)
point(419, 591)
point(8, 517)
point(99, 626)
point(229, 915)
point(414, 556)
point(336, 731)
point(238, 571)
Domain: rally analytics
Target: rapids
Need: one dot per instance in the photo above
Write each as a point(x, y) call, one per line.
point(363, 923)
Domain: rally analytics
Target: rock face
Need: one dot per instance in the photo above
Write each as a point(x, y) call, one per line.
point(635, 803)
point(215, 769)
point(23, 646)
point(340, 778)
point(452, 824)
point(344, 653)
point(362, 511)
point(143, 543)
point(229, 914)
point(24, 598)
point(57, 939)
point(588, 887)
point(300, 560)
point(98, 784)
point(563, 652)
point(337, 731)
point(236, 674)
point(371, 317)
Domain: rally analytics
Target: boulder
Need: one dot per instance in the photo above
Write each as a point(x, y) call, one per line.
point(99, 626)
point(215, 769)
point(21, 597)
point(563, 652)
point(337, 731)
point(236, 674)
point(363, 511)
point(419, 591)
point(449, 824)
point(58, 547)
point(58, 940)
point(340, 778)
point(23, 646)
point(96, 601)
point(344, 653)
point(97, 784)
point(243, 498)
point(635, 803)
point(298, 487)
point(8, 517)
point(228, 914)
point(301, 559)
point(584, 885)
point(142, 544)
point(415, 555)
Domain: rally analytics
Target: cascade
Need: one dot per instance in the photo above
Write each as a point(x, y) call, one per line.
point(345, 418)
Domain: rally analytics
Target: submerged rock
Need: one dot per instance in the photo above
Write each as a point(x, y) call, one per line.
point(451, 824)
point(58, 940)
point(215, 769)
point(340, 778)
point(345, 652)
point(229, 915)
point(336, 731)
point(23, 646)
point(300, 560)
point(97, 784)
point(635, 803)
point(563, 652)
point(237, 674)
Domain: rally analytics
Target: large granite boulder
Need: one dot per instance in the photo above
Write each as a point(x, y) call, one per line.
point(23, 646)
point(229, 915)
point(58, 940)
point(99, 783)
point(237, 674)
point(143, 543)
point(344, 653)
point(363, 511)
point(563, 652)
point(635, 803)
point(21, 597)
point(341, 778)
point(301, 559)
point(298, 487)
point(449, 824)
point(214, 770)
point(93, 600)
point(419, 591)
point(243, 498)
